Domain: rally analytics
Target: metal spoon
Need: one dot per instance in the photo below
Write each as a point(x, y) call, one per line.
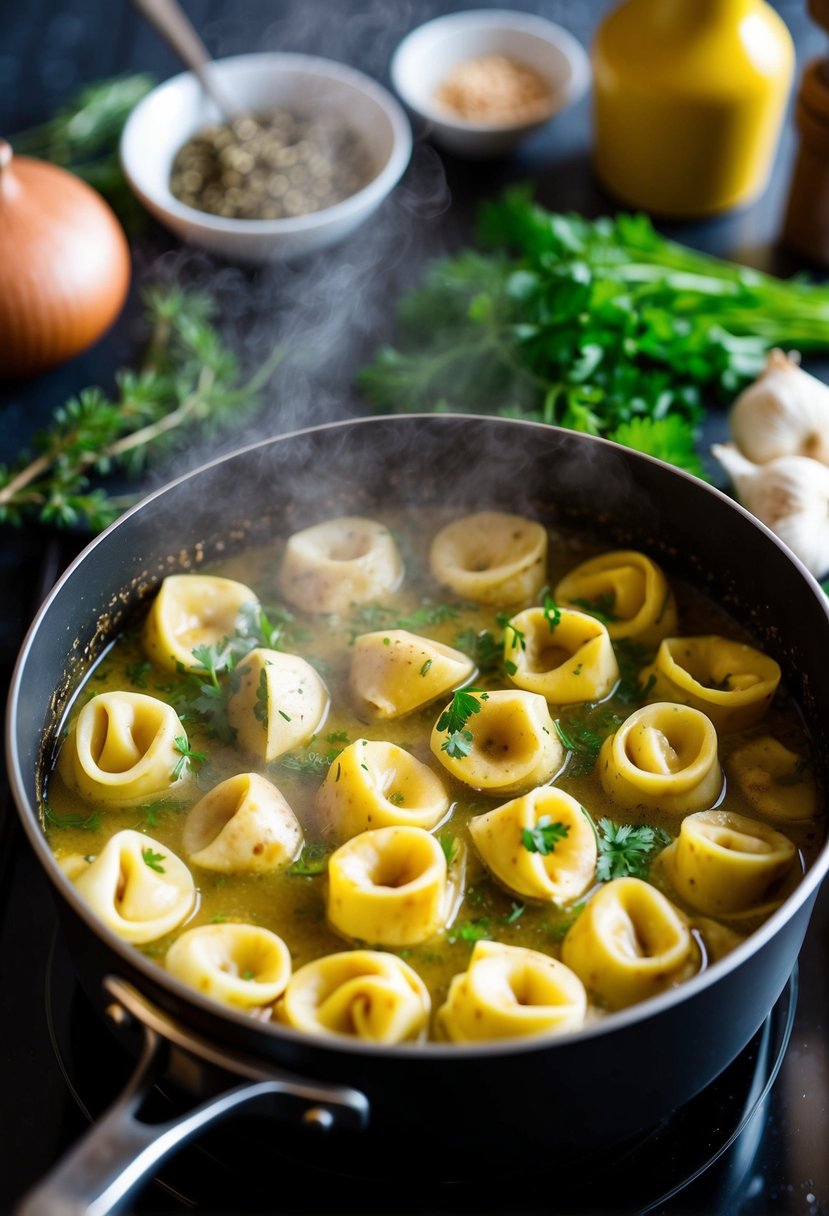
point(175, 27)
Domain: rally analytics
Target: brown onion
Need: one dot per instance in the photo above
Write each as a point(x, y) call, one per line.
point(64, 265)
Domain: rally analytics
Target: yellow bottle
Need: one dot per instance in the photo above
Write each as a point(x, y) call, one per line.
point(689, 97)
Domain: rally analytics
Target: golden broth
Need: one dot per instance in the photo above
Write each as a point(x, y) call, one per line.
point(292, 903)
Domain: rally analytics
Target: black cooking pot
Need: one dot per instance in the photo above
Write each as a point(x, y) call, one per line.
point(506, 1101)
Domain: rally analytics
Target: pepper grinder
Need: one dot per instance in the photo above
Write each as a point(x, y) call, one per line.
point(806, 224)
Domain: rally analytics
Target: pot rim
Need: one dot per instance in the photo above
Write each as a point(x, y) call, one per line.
point(157, 976)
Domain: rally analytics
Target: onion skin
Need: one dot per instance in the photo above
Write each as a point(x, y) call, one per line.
point(64, 265)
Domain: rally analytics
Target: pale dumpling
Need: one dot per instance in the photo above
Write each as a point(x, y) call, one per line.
point(339, 563)
point(565, 656)
point(125, 747)
point(363, 994)
point(629, 943)
point(663, 756)
point(192, 610)
point(508, 840)
point(511, 992)
point(626, 590)
point(373, 784)
point(278, 703)
point(722, 863)
point(244, 966)
point(389, 887)
point(394, 672)
point(244, 825)
point(137, 887)
point(774, 780)
point(491, 557)
point(513, 744)
point(732, 683)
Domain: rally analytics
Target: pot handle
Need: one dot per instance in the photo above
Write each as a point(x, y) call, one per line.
point(120, 1150)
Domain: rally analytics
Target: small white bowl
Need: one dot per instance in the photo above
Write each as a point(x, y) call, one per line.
point(170, 114)
point(425, 57)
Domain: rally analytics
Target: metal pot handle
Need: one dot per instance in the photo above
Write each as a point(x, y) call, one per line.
point(120, 1150)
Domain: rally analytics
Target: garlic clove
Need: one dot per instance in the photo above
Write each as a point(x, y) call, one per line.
point(785, 412)
point(790, 495)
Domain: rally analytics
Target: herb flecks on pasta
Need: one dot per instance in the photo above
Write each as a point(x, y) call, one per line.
point(432, 797)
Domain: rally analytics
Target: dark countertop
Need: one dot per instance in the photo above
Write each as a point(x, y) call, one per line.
point(339, 304)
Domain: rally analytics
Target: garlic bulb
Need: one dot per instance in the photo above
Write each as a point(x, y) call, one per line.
point(785, 412)
point(790, 495)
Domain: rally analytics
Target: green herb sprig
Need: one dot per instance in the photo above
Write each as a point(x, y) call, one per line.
point(601, 326)
point(464, 704)
point(188, 386)
point(625, 850)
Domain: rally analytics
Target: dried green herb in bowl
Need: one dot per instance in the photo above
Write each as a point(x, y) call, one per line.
point(272, 165)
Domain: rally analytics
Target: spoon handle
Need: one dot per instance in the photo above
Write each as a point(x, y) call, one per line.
point(175, 27)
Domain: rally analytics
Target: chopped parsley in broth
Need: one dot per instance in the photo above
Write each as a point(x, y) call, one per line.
point(291, 902)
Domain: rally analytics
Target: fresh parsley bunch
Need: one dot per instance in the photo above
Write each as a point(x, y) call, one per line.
point(600, 326)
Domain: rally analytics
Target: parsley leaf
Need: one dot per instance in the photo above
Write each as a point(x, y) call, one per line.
point(465, 702)
point(544, 837)
point(312, 861)
point(188, 756)
point(627, 850)
point(153, 860)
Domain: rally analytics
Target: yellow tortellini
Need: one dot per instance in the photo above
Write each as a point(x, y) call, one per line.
point(663, 756)
point(491, 557)
point(628, 590)
point(192, 610)
point(244, 966)
point(730, 682)
point(124, 749)
point(390, 887)
point(394, 672)
point(511, 992)
point(373, 784)
point(278, 704)
point(136, 886)
point(514, 745)
point(364, 994)
point(566, 656)
point(242, 826)
point(773, 780)
point(560, 875)
point(723, 863)
point(630, 943)
point(338, 563)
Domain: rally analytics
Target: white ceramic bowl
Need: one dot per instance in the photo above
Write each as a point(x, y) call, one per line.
point(170, 114)
point(426, 56)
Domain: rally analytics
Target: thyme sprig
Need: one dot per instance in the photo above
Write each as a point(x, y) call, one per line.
point(187, 386)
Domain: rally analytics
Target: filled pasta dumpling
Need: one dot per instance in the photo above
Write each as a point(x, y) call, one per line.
point(491, 557)
point(511, 992)
point(722, 863)
point(663, 756)
point(244, 966)
point(729, 681)
point(136, 886)
point(192, 610)
point(774, 780)
point(394, 672)
point(125, 747)
point(627, 591)
point(373, 784)
point(242, 826)
point(364, 994)
point(565, 656)
point(338, 563)
point(278, 703)
point(390, 887)
point(512, 744)
point(630, 943)
point(541, 846)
